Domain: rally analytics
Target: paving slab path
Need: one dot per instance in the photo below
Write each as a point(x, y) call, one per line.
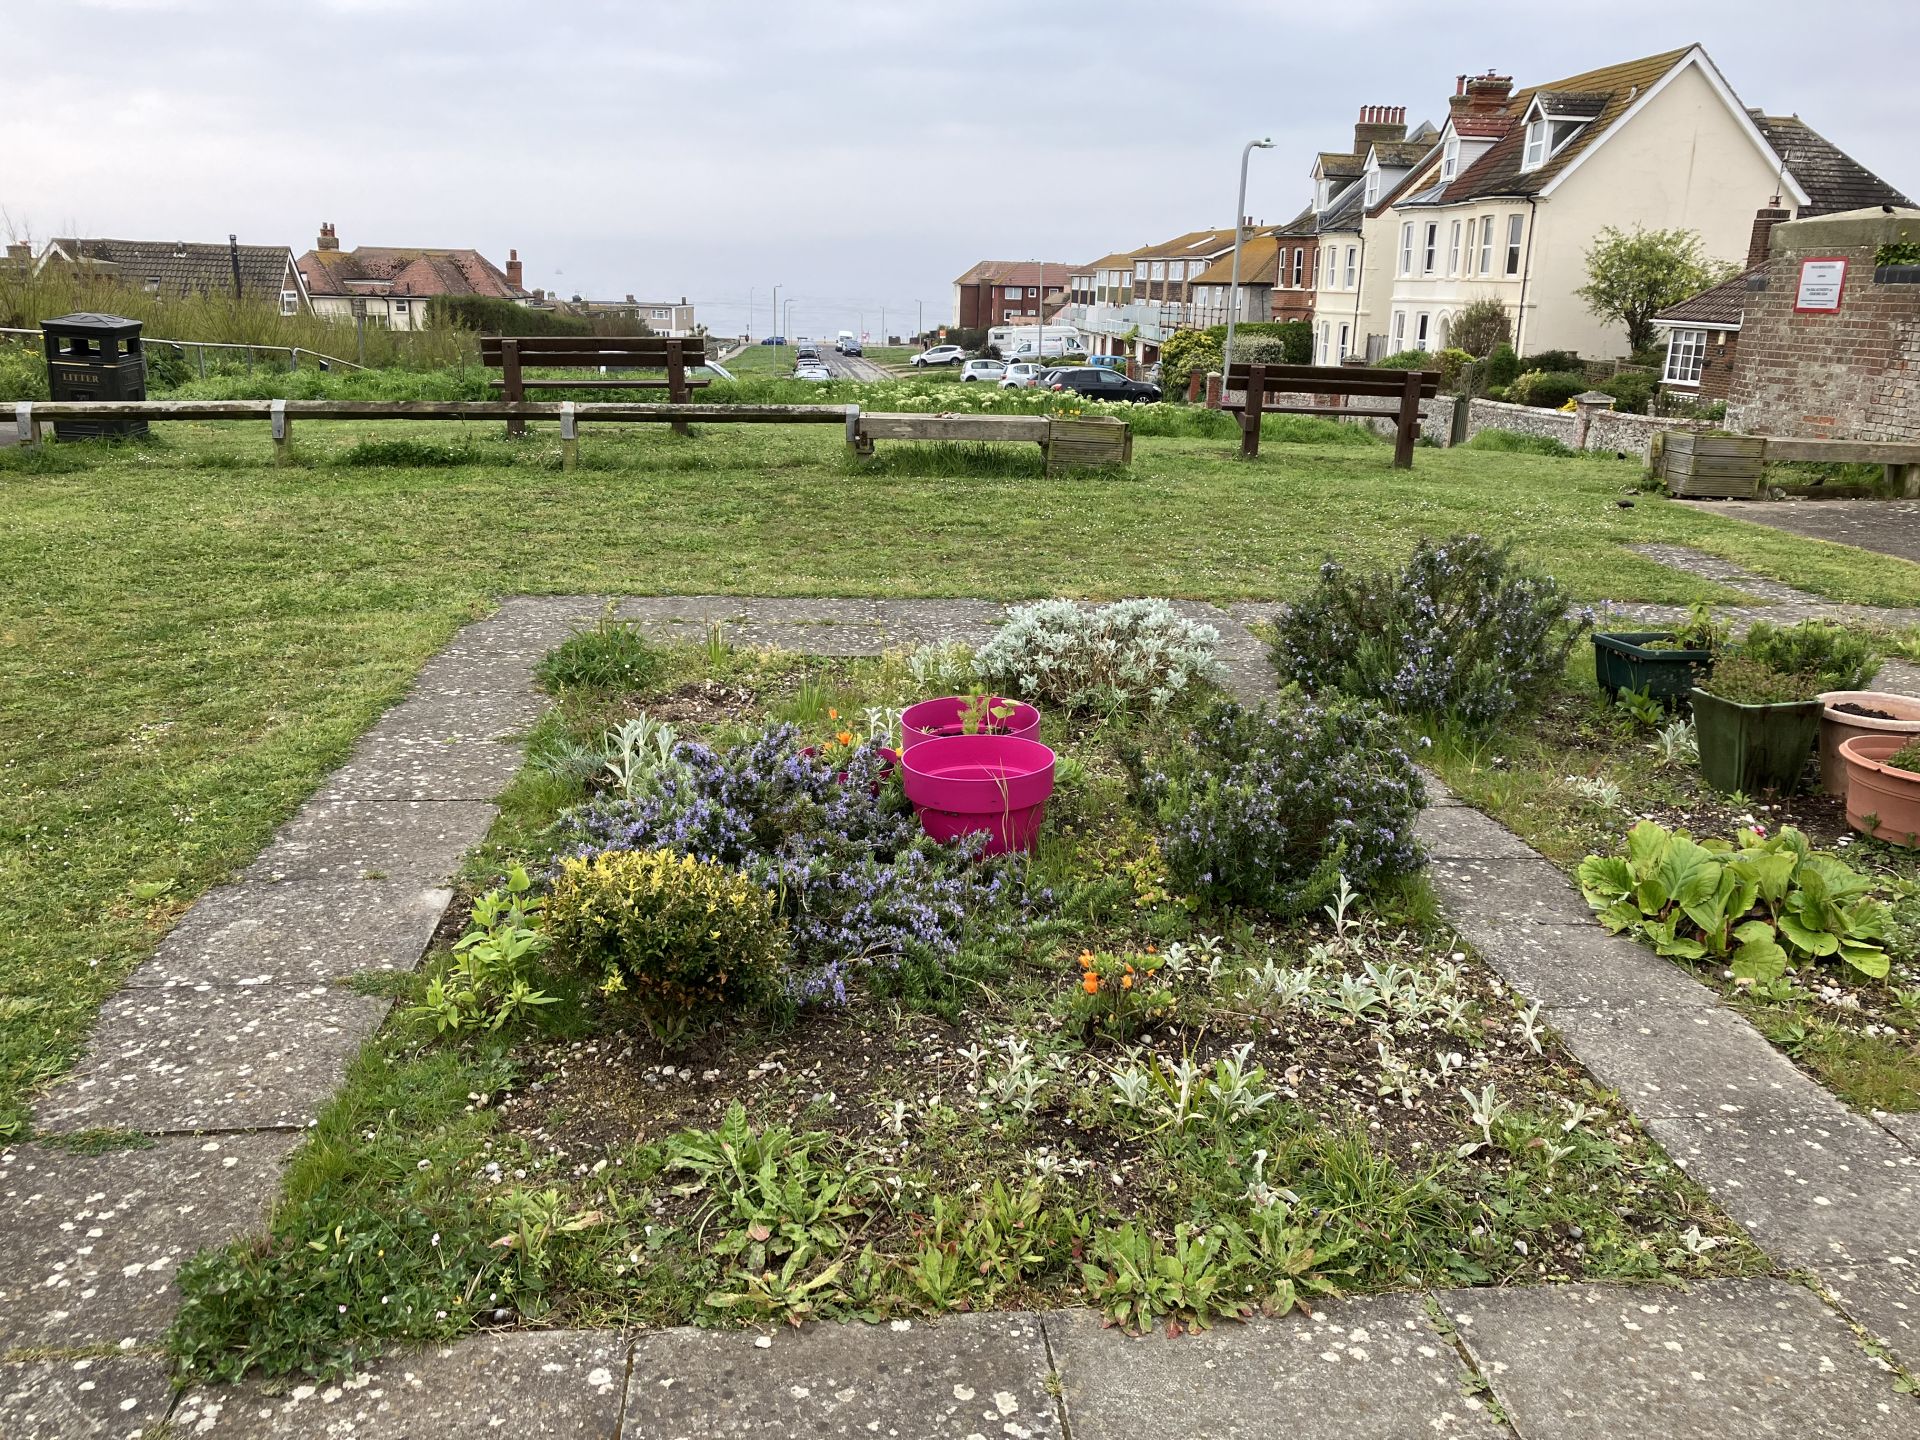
point(222, 1049)
point(1886, 527)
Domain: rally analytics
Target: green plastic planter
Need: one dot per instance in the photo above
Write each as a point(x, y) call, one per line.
point(1751, 748)
point(1622, 661)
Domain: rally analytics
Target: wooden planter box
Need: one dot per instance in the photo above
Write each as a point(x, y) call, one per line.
point(1072, 444)
point(1712, 465)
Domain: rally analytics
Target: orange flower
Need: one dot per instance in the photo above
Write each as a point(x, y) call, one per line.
point(1126, 981)
point(1090, 983)
point(1153, 950)
point(832, 714)
point(845, 737)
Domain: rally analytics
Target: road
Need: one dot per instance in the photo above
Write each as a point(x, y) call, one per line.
point(851, 367)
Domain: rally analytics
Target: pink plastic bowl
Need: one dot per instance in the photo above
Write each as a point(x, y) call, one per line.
point(973, 784)
point(933, 719)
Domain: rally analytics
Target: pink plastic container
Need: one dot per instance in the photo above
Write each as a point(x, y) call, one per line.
point(932, 719)
point(973, 784)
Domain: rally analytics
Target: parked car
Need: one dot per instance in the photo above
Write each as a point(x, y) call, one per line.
point(1098, 384)
point(941, 355)
point(1108, 362)
point(774, 340)
point(806, 352)
point(851, 347)
point(982, 370)
point(1020, 376)
point(812, 372)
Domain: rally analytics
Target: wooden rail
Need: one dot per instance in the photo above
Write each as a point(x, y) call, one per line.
point(1084, 442)
point(1901, 458)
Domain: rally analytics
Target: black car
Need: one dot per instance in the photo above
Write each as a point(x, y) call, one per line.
point(1097, 383)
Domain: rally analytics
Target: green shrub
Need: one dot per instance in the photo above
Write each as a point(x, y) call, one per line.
point(1405, 360)
point(1481, 327)
point(1841, 658)
point(1260, 350)
point(1132, 653)
point(1458, 633)
point(1747, 680)
point(1453, 365)
point(1550, 360)
point(614, 655)
point(1632, 390)
point(23, 373)
point(1503, 366)
point(1513, 442)
point(1270, 808)
point(686, 938)
point(1546, 389)
point(1185, 352)
point(1297, 335)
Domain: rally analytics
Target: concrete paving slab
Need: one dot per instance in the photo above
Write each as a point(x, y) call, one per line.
point(1883, 1298)
point(1437, 791)
point(212, 1057)
point(1811, 1192)
point(521, 1384)
point(1699, 1061)
point(965, 1376)
point(1460, 832)
point(1371, 1366)
point(114, 1397)
point(1725, 1360)
point(1904, 1128)
point(1581, 967)
point(421, 840)
point(297, 932)
point(398, 767)
point(1711, 567)
point(1507, 890)
point(89, 1243)
point(1888, 527)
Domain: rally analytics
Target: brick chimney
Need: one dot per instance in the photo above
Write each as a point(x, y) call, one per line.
point(1764, 219)
point(513, 269)
point(630, 299)
point(1481, 94)
point(1377, 125)
point(19, 251)
point(328, 240)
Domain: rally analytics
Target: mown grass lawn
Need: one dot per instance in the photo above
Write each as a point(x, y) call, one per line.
point(190, 638)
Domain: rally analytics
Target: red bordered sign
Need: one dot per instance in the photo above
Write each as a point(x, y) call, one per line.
point(1823, 279)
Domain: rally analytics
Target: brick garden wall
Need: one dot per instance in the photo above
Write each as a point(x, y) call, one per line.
point(1850, 375)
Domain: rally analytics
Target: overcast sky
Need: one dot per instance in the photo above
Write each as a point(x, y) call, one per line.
point(859, 154)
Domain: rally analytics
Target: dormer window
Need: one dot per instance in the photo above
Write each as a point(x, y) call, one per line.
point(1450, 158)
point(1536, 152)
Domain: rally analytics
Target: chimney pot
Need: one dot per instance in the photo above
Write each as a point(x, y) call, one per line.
point(513, 269)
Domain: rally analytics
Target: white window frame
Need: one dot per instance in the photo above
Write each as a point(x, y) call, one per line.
point(1453, 249)
point(1159, 270)
point(1689, 347)
point(1326, 340)
point(1450, 158)
point(1370, 192)
point(1430, 248)
point(1345, 339)
point(400, 307)
point(1422, 330)
point(1535, 154)
point(1033, 292)
point(1486, 244)
point(1399, 331)
point(1516, 233)
point(1299, 265)
point(1140, 273)
point(1353, 266)
point(1406, 248)
point(289, 302)
point(1014, 292)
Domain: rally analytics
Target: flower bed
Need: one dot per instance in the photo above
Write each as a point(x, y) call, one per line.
point(718, 1036)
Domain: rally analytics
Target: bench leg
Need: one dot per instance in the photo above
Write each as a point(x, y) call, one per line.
point(1408, 426)
point(677, 391)
point(510, 386)
point(1256, 404)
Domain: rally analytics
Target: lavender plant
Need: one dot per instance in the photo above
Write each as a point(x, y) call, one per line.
point(1458, 633)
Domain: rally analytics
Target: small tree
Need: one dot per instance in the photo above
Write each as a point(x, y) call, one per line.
point(1632, 277)
point(1185, 352)
point(1481, 326)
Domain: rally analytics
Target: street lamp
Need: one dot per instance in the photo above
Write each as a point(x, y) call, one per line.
point(786, 321)
point(1239, 225)
point(773, 320)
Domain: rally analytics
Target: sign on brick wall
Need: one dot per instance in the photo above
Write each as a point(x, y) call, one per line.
point(1822, 280)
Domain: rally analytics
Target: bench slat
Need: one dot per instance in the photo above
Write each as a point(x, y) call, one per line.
point(1315, 410)
point(600, 384)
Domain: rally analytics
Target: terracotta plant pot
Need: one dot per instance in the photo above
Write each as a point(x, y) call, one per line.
point(1623, 661)
point(1837, 726)
point(1881, 801)
point(1753, 748)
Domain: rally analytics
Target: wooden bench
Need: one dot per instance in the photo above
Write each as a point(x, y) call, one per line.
point(1409, 387)
point(511, 354)
point(1901, 458)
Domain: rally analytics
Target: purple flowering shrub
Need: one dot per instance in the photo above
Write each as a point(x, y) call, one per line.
point(1268, 808)
point(856, 880)
point(1457, 633)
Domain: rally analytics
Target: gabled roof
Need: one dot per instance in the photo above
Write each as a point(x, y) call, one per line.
point(1345, 212)
point(1305, 223)
point(1605, 93)
point(1016, 272)
point(178, 267)
point(1399, 154)
point(1720, 307)
point(383, 269)
point(1201, 244)
point(1259, 263)
point(1420, 185)
point(1572, 104)
point(1332, 165)
point(1834, 181)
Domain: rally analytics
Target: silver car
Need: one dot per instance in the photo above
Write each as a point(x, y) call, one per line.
point(1021, 375)
point(982, 370)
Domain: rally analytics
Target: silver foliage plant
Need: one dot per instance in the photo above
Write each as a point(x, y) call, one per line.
point(1133, 652)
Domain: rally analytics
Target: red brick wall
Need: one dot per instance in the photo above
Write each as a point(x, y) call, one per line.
point(1849, 375)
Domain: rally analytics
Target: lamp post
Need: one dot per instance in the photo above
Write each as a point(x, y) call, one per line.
point(773, 320)
point(1239, 226)
point(749, 315)
point(786, 320)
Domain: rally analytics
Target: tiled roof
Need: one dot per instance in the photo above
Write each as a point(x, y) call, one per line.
point(182, 267)
point(1344, 213)
point(385, 269)
point(1480, 127)
point(1834, 181)
point(1723, 306)
point(1398, 154)
point(1498, 171)
point(1017, 272)
point(1119, 260)
point(1305, 223)
point(1421, 178)
point(1336, 166)
point(1203, 243)
point(1259, 263)
point(1573, 104)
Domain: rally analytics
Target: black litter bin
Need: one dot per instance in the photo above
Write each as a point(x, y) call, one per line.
point(95, 357)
